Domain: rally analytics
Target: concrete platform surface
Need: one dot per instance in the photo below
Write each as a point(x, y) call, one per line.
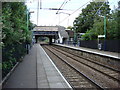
point(47, 73)
point(37, 71)
point(24, 76)
point(95, 51)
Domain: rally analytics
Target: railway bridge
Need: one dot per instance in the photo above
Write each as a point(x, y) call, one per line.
point(52, 32)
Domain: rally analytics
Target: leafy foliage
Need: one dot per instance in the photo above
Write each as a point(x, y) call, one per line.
point(93, 24)
point(14, 23)
point(114, 26)
point(14, 33)
point(69, 27)
point(85, 20)
point(97, 29)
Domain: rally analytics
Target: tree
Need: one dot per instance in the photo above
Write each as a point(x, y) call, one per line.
point(113, 27)
point(69, 27)
point(85, 20)
point(14, 33)
point(14, 22)
point(119, 5)
point(96, 30)
point(114, 24)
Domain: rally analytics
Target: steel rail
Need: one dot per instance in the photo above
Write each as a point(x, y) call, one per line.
point(118, 71)
point(92, 81)
point(89, 66)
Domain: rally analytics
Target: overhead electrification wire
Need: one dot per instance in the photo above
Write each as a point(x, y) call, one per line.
point(80, 8)
point(74, 12)
point(62, 5)
point(48, 8)
point(65, 4)
point(99, 8)
point(40, 6)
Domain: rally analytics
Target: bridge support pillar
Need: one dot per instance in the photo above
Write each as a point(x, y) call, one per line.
point(50, 40)
point(36, 39)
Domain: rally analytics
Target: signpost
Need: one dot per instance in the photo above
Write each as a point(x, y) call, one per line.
point(100, 44)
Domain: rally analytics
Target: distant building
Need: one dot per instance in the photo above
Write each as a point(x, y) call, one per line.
point(70, 34)
point(63, 35)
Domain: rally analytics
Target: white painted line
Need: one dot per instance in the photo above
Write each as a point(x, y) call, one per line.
point(95, 52)
point(56, 68)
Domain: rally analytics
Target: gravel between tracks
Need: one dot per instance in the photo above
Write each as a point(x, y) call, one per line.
point(97, 66)
point(96, 76)
point(71, 75)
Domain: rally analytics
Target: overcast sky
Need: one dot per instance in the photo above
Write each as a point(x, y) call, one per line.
point(50, 18)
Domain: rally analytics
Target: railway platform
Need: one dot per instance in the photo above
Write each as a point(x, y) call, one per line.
point(36, 71)
point(94, 51)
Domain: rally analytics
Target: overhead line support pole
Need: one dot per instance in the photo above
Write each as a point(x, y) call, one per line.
point(105, 32)
point(38, 12)
point(105, 26)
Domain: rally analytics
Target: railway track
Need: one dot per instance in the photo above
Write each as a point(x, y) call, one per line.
point(99, 75)
point(108, 71)
point(97, 61)
point(76, 78)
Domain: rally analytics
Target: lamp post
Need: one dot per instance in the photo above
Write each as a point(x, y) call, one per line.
point(28, 17)
point(105, 26)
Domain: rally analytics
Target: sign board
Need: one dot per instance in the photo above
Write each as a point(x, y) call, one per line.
point(33, 36)
point(101, 36)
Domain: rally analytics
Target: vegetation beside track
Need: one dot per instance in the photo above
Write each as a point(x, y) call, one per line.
point(15, 34)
